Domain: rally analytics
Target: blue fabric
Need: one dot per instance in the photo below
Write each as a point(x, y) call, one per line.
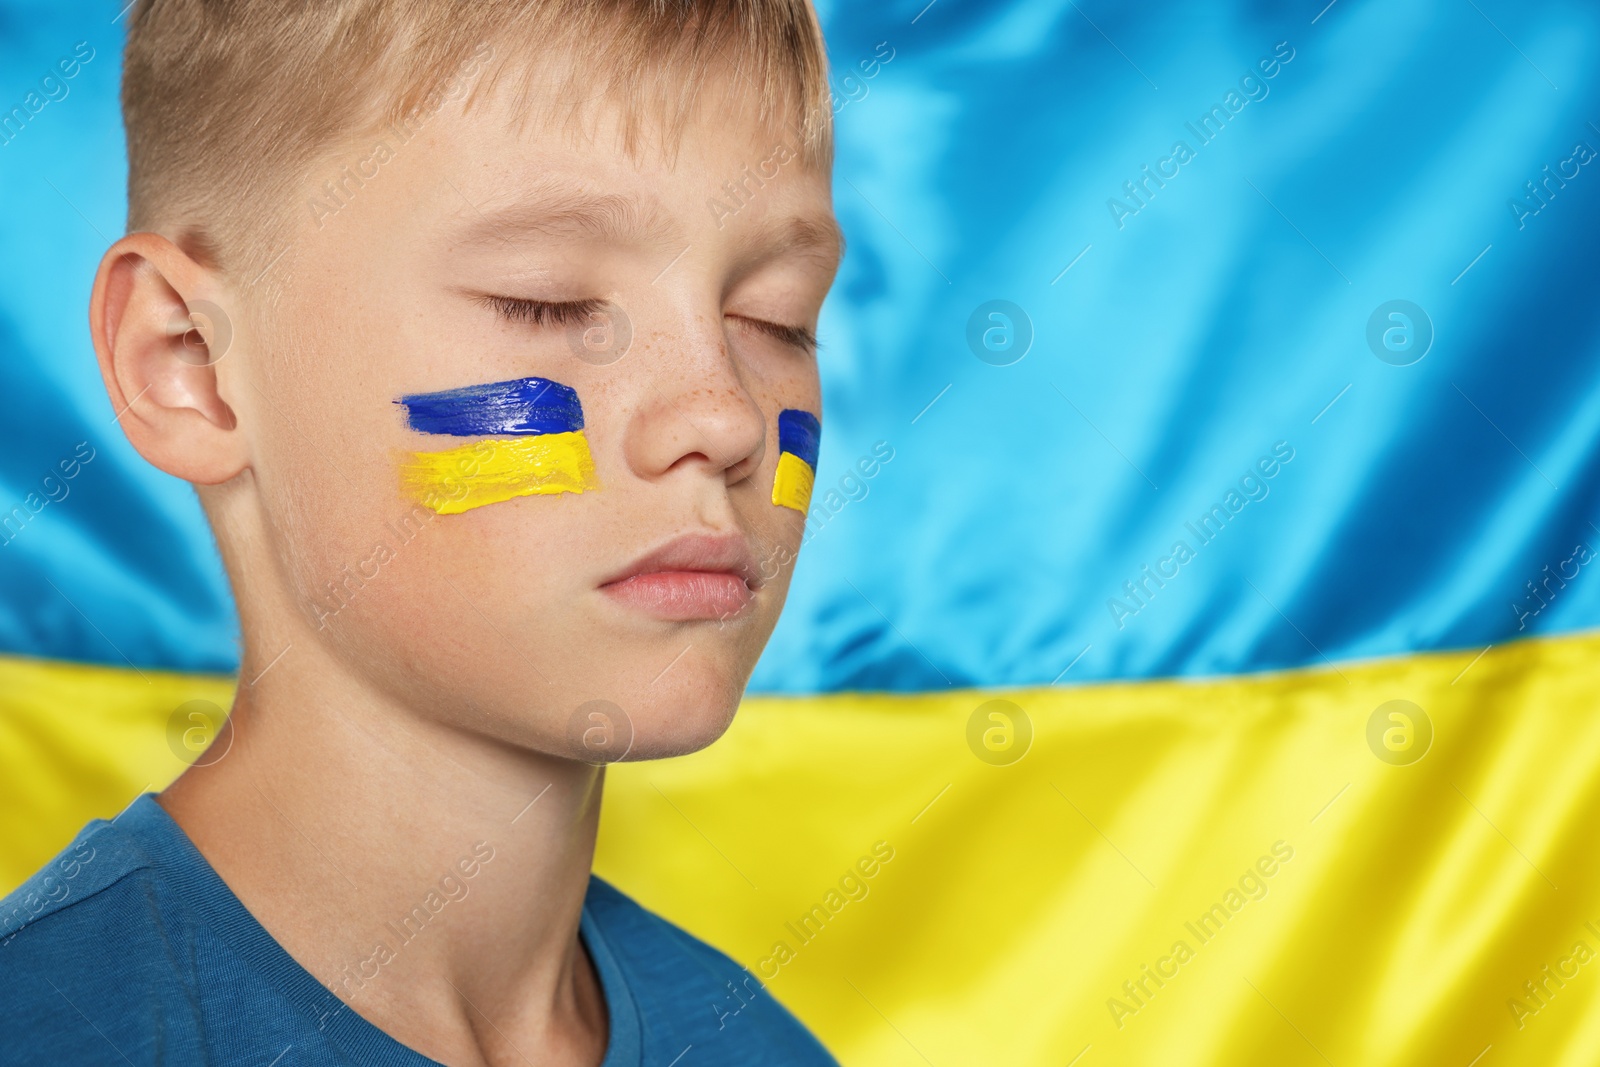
point(1163, 336)
point(129, 947)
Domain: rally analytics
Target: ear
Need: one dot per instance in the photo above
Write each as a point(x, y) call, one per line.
point(159, 332)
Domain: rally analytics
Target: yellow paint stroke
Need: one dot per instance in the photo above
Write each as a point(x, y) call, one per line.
point(791, 486)
point(488, 472)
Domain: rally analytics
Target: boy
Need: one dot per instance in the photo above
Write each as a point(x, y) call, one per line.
point(491, 359)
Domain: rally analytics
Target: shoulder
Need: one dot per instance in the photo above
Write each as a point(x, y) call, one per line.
point(689, 993)
point(88, 932)
point(97, 859)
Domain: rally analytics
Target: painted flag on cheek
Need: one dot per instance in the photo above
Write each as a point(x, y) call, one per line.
point(798, 435)
point(536, 445)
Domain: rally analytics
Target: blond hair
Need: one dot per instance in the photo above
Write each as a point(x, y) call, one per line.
point(229, 105)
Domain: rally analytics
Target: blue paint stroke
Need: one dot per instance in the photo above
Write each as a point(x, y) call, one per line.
point(524, 406)
point(799, 433)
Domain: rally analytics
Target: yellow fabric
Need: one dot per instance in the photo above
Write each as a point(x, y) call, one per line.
point(793, 481)
point(488, 472)
point(78, 743)
point(1007, 904)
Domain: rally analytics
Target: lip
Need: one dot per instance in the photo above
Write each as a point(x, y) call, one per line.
point(691, 578)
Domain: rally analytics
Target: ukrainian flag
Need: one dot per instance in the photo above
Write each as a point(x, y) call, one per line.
point(1193, 655)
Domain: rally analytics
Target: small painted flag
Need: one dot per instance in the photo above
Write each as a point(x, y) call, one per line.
point(798, 437)
point(547, 451)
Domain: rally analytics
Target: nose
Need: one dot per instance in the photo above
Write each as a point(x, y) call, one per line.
point(697, 412)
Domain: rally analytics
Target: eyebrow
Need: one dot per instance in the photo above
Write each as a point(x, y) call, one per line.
point(572, 213)
point(814, 236)
point(566, 212)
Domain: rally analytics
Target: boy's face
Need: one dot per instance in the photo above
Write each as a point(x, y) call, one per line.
point(478, 587)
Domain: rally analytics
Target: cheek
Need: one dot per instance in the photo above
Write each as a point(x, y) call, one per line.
point(469, 616)
point(328, 481)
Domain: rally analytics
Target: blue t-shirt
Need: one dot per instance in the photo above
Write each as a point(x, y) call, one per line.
point(129, 949)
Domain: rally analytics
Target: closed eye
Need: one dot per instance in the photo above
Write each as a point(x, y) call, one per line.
point(544, 312)
point(798, 336)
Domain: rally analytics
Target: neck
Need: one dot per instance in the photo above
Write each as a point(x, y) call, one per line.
point(431, 878)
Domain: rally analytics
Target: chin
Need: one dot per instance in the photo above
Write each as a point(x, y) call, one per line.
point(635, 711)
point(678, 737)
point(679, 720)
